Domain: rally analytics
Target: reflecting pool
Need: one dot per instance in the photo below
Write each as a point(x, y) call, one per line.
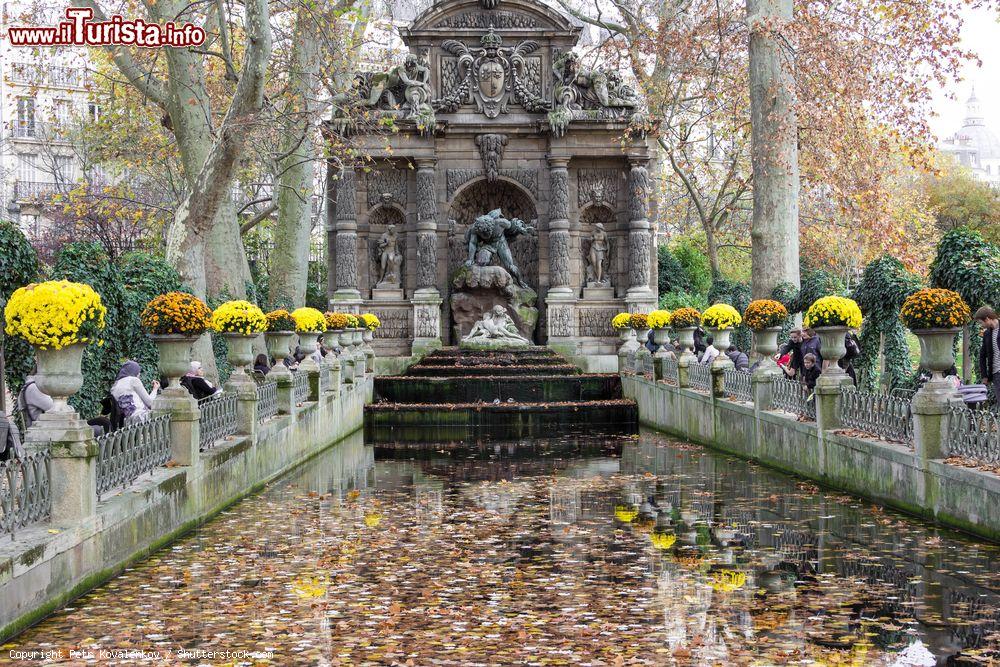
point(562, 552)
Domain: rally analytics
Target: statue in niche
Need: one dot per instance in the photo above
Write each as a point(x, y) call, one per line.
point(411, 81)
point(597, 258)
point(579, 88)
point(495, 327)
point(490, 236)
point(390, 259)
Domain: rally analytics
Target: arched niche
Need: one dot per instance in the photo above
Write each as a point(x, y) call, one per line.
point(590, 216)
point(481, 197)
point(379, 220)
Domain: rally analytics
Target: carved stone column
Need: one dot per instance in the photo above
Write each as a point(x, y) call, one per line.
point(426, 299)
point(426, 228)
point(559, 239)
point(640, 242)
point(560, 310)
point(346, 227)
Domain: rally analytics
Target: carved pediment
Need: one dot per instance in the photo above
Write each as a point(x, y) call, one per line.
point(499, 14)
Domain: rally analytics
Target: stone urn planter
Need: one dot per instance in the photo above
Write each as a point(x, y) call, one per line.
point(661, 337)
point(685, 338)
point(937, 351)
point(628, 341)
point(308, 342)
point(175, 357)
point(347, 365)
point(765, 344)
point(60, 375)
point(832, 347)
point(239, 353)
point(641, 336)
point(279, 346)
point(721, 339)
point(356, 340)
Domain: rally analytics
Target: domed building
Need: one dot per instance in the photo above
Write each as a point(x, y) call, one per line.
point(975, 145)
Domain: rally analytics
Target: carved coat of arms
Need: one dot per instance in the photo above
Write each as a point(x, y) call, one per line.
point(491, 75)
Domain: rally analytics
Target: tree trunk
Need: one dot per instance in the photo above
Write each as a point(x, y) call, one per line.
point(712, 249)
point(775, 231)
point(289, 268)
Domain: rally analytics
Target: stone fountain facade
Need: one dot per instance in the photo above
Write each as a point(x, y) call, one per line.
point(492, 110)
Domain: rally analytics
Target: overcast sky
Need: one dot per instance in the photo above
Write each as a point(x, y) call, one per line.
point(981, 33)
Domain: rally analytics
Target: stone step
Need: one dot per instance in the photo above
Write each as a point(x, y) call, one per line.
point(493, 371)
point(386, 422)
point(469, 389)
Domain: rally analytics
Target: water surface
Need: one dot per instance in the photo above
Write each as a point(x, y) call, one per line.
point(560, 552)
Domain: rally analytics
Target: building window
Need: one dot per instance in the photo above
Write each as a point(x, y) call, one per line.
point(25, 124)
point(28, 222)
point(26, 171)
point(93, 112)
point(64, 113)
point(65, 169)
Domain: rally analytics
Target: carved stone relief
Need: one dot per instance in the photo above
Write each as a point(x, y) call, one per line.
point(386, 185)
point(495, 19)
point(596, 322)
point(491, 148)
point(560, 321)
point(598, 187)
point(427, 321)
point(426, 195)
point(559, 271)
point(347, 208)
point(492, 75)
point(456, 178)
point(395, 322)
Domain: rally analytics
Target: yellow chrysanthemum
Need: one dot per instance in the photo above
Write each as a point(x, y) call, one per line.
point(934, 309)
point(239, 317)
point(370, 321)
point(55, 314)
point(721, 316)
point(621, 321)
point(764, 314)
point(176, 313)
point(308, 320)
point(336, 321)
point(659, 319)
point(833, 311)
point(684, 318)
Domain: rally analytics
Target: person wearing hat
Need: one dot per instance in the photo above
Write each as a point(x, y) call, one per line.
point(194, 381)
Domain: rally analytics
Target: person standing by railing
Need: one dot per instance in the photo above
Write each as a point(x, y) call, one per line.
point(989, 353)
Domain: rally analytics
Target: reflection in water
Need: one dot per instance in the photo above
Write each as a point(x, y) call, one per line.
point(555, 552)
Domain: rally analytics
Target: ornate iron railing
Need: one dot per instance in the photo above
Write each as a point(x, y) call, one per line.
point(267, 400)
point(218, 419)
point(736, 384)
point(301, 387)
point(882, 415)
point(643, 364)
point(700, 377)
point(974, 434)
point(670, 371)
point(794, 397)
point(25, 491)
point(130, 451)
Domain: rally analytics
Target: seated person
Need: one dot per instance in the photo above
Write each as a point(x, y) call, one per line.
point(134, 402)
point(32, 402)
point(710, 353)
point(740, 359)
point(194, 381)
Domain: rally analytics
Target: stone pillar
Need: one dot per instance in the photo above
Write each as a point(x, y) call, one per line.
point(683, 364)
point(185, 423)
point(829, 388)
point(640, 243)
point(286, 393)
point(719, 366)
point(560, 314)
point(426, 299)
point(930, 407)
point(73, 468)
point(763, 388)
point(246, 406)
point(346, 227)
